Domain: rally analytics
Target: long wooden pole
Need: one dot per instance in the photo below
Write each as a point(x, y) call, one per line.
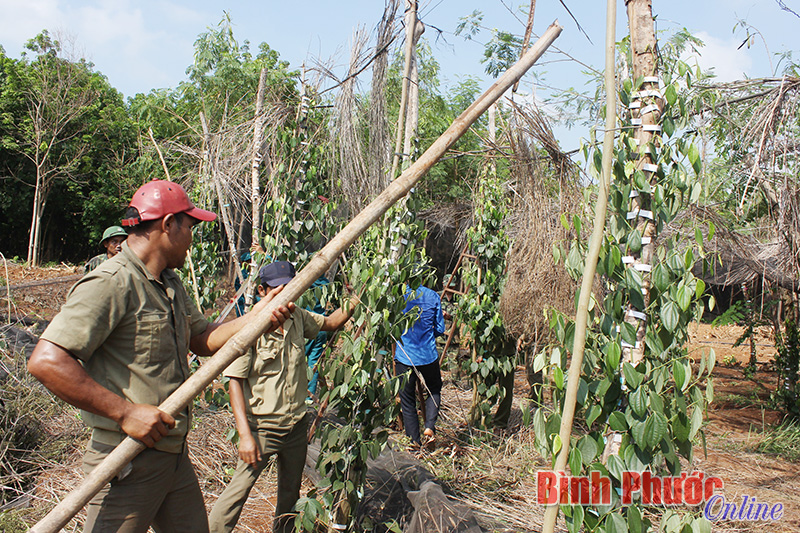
point(582, 317)
point(249, 334)
point(411, 25)
point(645, 67)
point(258, 135)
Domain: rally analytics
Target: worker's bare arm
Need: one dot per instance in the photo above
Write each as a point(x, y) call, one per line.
point(216, 335)
point(60, 371)
point(248, 447)
point(338, 318)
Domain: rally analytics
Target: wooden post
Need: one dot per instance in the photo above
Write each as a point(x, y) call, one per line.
point(411, 24)
point(412, 107)
point(258, 135)
point(249, 334)
point(492, 139)
point(223, 207)
point(582, 316)
point(527, 39)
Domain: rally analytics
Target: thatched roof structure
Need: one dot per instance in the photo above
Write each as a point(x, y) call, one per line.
point(739, 259)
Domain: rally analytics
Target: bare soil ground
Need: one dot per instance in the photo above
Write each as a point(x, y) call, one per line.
point(498, 483)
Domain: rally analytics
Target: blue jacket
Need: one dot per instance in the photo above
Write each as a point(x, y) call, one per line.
point(417, 346)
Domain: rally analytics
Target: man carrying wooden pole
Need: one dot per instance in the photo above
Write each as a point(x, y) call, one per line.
point(263, 318)
point(118, 348)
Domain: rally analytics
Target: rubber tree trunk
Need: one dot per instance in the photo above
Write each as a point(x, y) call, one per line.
point(650, 107)
point(259, 323)
point(598, 228)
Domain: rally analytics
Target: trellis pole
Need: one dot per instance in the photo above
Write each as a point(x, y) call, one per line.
point(255, 186)
point(258, 135)
point(411, 25)
point(647, 115)
point(582, 317)
point(249, 334)
point(211, 168)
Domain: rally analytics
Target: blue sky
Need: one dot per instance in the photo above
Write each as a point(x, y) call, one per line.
point(146, 44)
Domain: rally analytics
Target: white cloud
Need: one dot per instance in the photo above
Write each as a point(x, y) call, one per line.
point(24, 19)
point(722, 57)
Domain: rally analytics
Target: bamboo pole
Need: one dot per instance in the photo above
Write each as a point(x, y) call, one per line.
point(249, 334)
point(582, 318)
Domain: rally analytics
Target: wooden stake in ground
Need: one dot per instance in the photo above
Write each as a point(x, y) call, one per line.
point(582, 316)
point(248, 335)
point(258, 133)
point(412, 106)
point(527, 39)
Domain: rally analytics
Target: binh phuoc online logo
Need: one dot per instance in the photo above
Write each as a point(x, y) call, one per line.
point(687, 489)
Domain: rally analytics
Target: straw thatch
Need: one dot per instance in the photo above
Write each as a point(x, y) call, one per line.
point(545, 186)
point(737, 258)
point(756, 122)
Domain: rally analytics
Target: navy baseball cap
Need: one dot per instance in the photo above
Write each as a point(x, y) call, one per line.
point(277, 273)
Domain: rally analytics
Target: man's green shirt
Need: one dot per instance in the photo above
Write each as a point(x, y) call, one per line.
point(276, 373)
point(95, 262)
point(131, 332)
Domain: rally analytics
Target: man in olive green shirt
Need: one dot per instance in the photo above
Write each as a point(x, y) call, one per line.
point(119, 347)
point(268, 390)
point(112, 240)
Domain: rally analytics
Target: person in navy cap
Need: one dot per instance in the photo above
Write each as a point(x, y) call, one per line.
point(268, 389)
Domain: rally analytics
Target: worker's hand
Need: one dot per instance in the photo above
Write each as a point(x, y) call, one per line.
point(146, 423)
point(279, 314)
point(248, 450)
point(446, 315)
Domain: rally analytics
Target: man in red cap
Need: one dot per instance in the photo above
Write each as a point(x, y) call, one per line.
point(119, 347)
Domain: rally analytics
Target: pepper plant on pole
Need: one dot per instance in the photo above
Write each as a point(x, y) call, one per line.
point(650, 408)
point(479, 308)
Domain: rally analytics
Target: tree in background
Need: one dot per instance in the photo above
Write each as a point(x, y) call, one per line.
point(58, 93)
point(64, 135)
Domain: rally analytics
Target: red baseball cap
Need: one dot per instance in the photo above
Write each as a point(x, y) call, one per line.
point(159, 198)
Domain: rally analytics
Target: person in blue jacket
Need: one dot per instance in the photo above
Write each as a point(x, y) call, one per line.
point(416, 356)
